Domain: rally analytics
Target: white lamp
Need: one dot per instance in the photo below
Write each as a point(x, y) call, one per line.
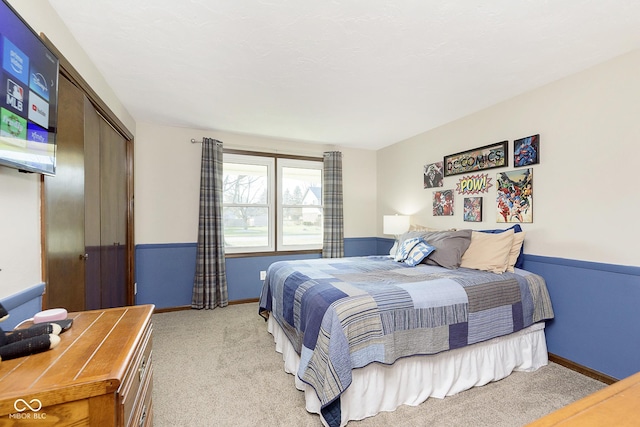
point(396, 225)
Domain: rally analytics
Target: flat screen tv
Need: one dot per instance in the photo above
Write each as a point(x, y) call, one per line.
point(28, 97)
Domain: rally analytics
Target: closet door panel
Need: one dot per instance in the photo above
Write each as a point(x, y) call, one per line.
point(113, 214)
point(63, 200)
point(92, 220)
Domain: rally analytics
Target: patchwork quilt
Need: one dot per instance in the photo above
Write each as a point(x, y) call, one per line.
point(345, 313)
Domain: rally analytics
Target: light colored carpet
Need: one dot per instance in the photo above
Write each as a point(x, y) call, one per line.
point(220, 368)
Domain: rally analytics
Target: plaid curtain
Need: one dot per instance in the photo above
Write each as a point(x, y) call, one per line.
point(210, 282)
point(333, 239)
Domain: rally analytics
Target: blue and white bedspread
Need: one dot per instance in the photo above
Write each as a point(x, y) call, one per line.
point(345, 313)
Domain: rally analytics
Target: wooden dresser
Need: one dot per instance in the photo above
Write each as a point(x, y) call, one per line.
point(616, 405)
point(101, 374)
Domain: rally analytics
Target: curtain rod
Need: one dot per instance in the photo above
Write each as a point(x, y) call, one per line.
point(194, 141)
point(308, 153)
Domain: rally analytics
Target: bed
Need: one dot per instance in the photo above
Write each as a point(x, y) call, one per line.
point(448, 311)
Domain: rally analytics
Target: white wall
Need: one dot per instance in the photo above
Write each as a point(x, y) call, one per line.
point(167, 180)
point(585, 194)
point(19, 231)
point(20, 248)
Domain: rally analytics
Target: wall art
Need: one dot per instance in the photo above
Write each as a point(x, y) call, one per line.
point(526, 151)
point(433, 175)
point(474, 184)
point(514, 196)
point(472, 209)
point(443, 203)
point(487, 157)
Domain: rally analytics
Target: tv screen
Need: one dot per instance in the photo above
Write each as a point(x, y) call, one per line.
point(28, 97)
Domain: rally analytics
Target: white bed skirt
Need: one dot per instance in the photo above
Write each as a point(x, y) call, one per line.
point(411, 380)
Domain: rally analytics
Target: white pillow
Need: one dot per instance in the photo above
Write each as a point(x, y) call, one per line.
point(488, 251)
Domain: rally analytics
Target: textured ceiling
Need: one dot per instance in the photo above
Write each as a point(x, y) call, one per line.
point(358, 73)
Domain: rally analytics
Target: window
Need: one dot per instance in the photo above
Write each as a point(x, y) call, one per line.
point(271, 203)
point(247, 203)
point(299, 204)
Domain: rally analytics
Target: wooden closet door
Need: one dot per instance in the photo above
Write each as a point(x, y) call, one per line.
point(85, 210)
point(87, 218)
point(113, 214)
point(63, 206)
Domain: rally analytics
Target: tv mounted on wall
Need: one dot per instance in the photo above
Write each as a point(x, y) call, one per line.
point(28, 97)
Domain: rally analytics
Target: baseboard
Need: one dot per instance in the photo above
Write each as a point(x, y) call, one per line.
point(169, 309)
point(188, 307)
point(582, 369)
point(244, 301)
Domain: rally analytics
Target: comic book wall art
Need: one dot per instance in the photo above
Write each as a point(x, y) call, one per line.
point(526, 151)
point(487, 157)
point(474, 184)
point(443, 203)
point(514, 196)
point(433, 175)
point(472, 209)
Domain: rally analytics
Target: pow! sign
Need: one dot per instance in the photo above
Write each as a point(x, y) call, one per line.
point(474, 184)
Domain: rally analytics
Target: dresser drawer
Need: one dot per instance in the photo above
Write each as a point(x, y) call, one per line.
point(143, 415)
point(131, 395)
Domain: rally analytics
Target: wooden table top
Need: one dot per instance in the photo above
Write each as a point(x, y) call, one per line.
point(89, 361)
point(616, 405)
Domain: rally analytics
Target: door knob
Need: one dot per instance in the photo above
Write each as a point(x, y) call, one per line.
point(83, 257)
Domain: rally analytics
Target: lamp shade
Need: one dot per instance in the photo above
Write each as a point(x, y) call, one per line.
point(395, 224)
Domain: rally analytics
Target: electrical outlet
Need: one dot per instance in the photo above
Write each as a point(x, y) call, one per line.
point(263, 275)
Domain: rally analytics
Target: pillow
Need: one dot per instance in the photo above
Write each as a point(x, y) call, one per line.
point(488, 251)
point(418, 253)
point(405, 247)
point(516, 229)
point(394, 249)
point(516, 250)
point(449, 246)
point(418, 227)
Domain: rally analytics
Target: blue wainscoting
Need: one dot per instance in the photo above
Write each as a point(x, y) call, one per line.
point(597, 306)
point(597, 315)
point(164, 272)
point(22, 306)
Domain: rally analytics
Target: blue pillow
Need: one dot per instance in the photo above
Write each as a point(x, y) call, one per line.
point(418, 253)
point(516, 229)
point(405, 248)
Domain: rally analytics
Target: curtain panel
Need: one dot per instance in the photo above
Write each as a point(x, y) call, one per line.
point(333, 239)
point(210, 282)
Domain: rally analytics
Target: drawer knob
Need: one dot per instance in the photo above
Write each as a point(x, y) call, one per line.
point(142, 369)
point(143, 416)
